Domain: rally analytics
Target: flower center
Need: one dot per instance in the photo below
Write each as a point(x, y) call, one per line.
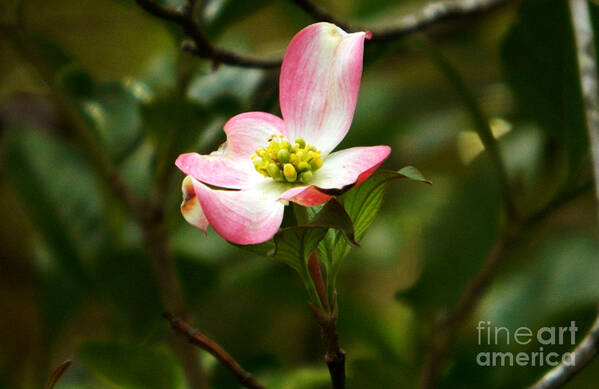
point(284, 162)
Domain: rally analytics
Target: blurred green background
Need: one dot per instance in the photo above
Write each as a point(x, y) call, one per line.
point(75, 279)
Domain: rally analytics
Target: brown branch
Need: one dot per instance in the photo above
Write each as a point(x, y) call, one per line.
point(446, 329)
point(587, 71)
point(334, 355)
point(57, 373)
point(425, 17)
point(580, 358)
point(197, 338)
point(200, 45)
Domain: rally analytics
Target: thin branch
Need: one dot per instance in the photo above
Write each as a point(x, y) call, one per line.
point(425, 17)
point(587, 71)
point(334, 355)
point(322, 15)
point(57, 373)
point(446, 329)
point(580, 358)
point(197, 338)
point(200, 45)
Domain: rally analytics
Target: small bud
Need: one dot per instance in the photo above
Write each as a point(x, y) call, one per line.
point(300, 142)
point(283, 156)
point(306, 176)
point(303, 166)
point(316, 163)
point(289, 172)
point(273, 170)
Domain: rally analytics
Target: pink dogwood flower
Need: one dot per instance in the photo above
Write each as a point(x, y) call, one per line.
point(242, 188)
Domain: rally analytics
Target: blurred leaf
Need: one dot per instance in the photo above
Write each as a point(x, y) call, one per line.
point(386, 329)
point(173, 125)
point(131, 366)
point(60, 299)
point(362, 204)
point(198, 278)
point(303, 378)
point(458, 239)
point(560, 276)
point(109, 39)
point(55, 57)
point(227, 91)
point(125, 278)
point(60, 194)
point(75, 81)
point(136, 168)
point(293, 245)
point(220, 14)
point(56, 374)
point(114, 111)
point(540, 64)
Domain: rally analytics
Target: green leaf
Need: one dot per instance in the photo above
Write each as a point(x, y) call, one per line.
point(458, 238)
point(293, 245)
point(540, 65)
point(558, 277)
point(131, 366)
point(362, 204)
point(173, 124)
point(226, 91)
point(114, 110)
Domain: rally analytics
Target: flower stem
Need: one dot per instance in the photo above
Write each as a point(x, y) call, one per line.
point(316, 275)
point(334, 356)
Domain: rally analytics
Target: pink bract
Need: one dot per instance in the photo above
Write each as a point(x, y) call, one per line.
point(318, 90)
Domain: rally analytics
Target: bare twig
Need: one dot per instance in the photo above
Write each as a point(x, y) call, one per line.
point(579, 359)
point(334, 354)
point(200, 45)
point(423, 18)
point(587, 71)
point(57, 373)
point(197, 338)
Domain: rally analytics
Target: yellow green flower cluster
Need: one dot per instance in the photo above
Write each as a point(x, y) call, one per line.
point(284, 162)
